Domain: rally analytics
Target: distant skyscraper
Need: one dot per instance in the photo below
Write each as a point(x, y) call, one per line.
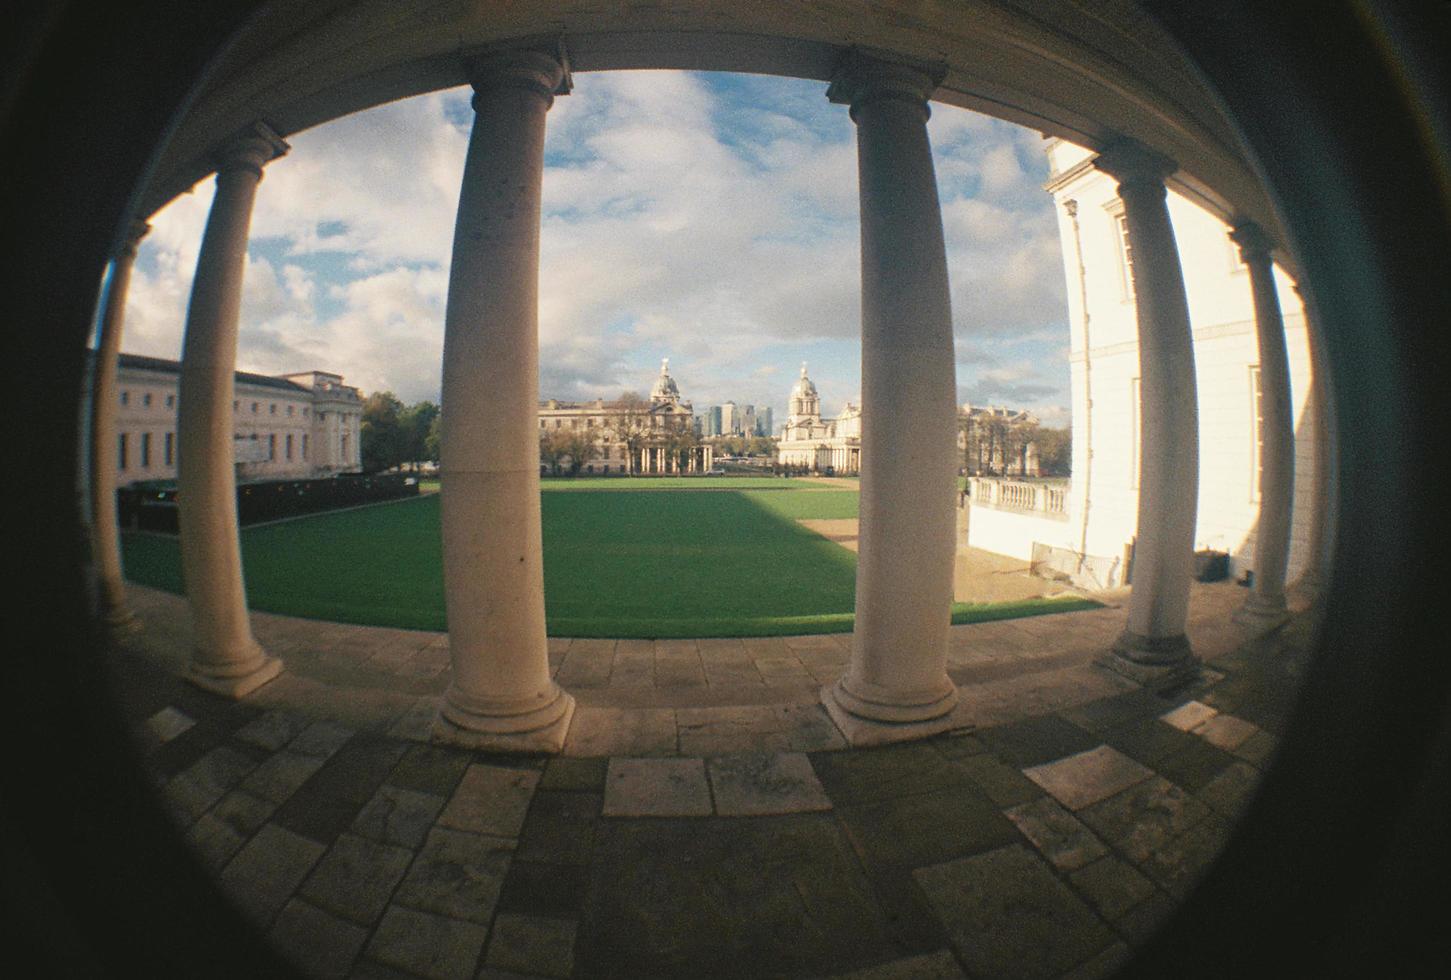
point(764, 425)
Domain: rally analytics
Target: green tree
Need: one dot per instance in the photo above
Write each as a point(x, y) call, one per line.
point(1055, 451)
point(551, 449)
point(382, 432)
point(578, 446)
point(415, 422)
point(433, 442)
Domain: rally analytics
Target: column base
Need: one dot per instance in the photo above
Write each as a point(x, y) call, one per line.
point(121, 622)
point(1261, 614)
point(534, 731)
point(864, 722)
point(234, 681)
point(1151, 661)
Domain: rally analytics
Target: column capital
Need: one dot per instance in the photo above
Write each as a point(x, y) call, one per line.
point(1254, 244)
point(250, 149)
point(135, 231)
point(1130, 162)
point(1071, 206)
point(860, 77)
point(542, 68)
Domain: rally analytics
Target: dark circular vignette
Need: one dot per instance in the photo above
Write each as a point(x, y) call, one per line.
point(1344, 106)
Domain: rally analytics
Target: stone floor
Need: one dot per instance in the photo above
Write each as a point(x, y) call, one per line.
point(705, 819)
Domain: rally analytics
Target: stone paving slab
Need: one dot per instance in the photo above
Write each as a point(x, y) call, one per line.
point(532, 945)
point(621, 731)
point(267, 870)
point(657, 788)
point(490, 800)
point(728, 897)
point(168, 723)
point(427, 945)
point(457, 874)
point(317, 943)
point(1057, 834)
point(761, 785)
point(926, 966)
point(329, 826)
point(1008, 915)
point(1085, 778)
point(398, 816)
point(356, 877)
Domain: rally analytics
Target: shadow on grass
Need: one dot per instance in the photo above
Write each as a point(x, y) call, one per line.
point(627, 564)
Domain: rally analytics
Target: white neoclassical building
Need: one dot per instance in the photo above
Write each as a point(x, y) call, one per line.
point(632, 436)
point(1090, 530)
point(291, 426)
point(821, 445)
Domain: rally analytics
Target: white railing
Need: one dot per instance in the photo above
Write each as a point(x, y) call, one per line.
point(1043, 498)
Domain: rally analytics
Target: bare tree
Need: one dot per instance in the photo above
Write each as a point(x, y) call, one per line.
point(631, 427)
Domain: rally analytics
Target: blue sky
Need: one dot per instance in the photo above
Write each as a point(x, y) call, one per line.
point(704, 217)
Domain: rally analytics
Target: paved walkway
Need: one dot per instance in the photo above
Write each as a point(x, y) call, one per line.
point(705, 819)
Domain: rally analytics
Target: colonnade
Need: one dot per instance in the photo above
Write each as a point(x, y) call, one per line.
point(896, 684)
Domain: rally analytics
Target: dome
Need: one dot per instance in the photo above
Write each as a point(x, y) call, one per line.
point(804, 387)
point(665, 388)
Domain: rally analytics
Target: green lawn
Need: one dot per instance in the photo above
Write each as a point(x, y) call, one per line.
point(639, 562)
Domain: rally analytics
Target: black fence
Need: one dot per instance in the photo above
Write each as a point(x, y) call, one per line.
point(155, 508)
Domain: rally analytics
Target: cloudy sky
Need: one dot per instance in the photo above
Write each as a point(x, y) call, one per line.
point(708, 218)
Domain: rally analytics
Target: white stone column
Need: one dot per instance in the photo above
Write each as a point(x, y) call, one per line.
point(105, 534)
point(501, 695)
point(1316, 577)
point(226, 659)
point(1169, 443)
point(1265, 607)
point(896, 685)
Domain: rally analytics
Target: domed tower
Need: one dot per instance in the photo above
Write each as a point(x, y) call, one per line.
point(805, 403)
point(665, 389)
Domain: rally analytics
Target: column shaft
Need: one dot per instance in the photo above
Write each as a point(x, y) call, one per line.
point(225, 659)
point(896, 685)
point(1316, 577)
point(1265, 606)
point(501, 695)
point(1169, 445)
point(105, 534)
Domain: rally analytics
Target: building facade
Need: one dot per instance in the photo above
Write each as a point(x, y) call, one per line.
point(625, 436)
point(1094, 522)
point(817, 444)
point(997, 441)
point(295, 426)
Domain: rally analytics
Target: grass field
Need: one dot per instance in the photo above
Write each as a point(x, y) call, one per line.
point(639, 562)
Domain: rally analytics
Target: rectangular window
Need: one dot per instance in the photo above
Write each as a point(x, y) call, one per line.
point(171, 402)
point(170, 448)
point(121, 451)
point(304, 445)
point(254, 408)
point(290, 409)
point(1257, 414)
point(272, 409)
point(344, 458)
point(271, 445)
point(1126, 255)
point(145, 450)
point(125, 398)
point(289, 445)
point(1138, 431)
point(146, 400)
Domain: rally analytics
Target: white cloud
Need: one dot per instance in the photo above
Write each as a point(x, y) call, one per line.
point(680, 219)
